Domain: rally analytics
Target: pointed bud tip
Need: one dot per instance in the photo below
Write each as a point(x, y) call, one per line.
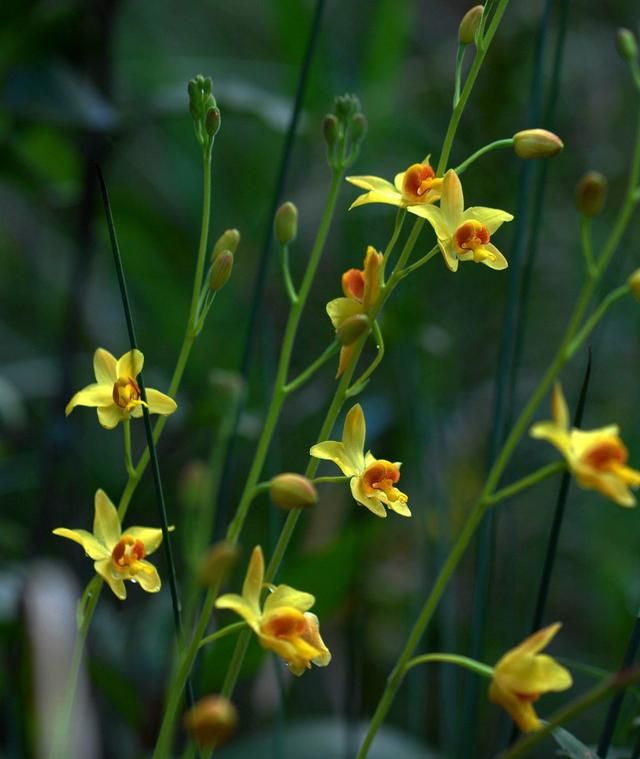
point(292, 491)
point(469, 25)
point(221, 269)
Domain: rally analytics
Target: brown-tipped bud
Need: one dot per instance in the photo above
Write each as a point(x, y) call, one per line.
point(292, 491)
point(330, 129)
point(228, 240)
point(627, 45)
point(352, 328)
point(469, 25)
point(192, 480)
point(536, 143)
point(591, 193)
point(285, 223)
point(221, 269)
point(634, 284)
point(211, 721)
point(212, 121)
point(217, 562)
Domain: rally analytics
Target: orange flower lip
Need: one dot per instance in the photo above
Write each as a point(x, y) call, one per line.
point(285, 626)
point(606, 455)
point(127, 552)
point(125, 392)
point(353, 283)
point(419, 178)
point(382, 476)
point(471, 235)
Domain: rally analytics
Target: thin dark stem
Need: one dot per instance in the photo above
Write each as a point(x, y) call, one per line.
point(155, 467)
point(258, 288)
point(616, 704)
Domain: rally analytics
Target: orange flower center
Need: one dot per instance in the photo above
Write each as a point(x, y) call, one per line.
point(527, 698)
point(126, 392)
point(353, 283)
point(381, 476)
point(606, 455)
point(470, 236)
point(127, 552)
point(419, 178)
point(285, 626)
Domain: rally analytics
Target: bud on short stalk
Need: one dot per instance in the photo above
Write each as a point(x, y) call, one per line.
point(352, 328)
point(221, 269)
point(228, 240)
point(469, 25)
point(536, 143)
point(292, 491)
point(591, 193)
point(211, 721)
point(285, 223)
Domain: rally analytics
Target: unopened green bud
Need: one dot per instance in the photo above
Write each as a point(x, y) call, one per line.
point(217, 562)
point(591, 193)
point(330, 129)
point(634, 284)
point(352, 328)
point(221, 269)
point(469, 25)
point(358, 127)
point(627, 45)
point(211, 721)
point(346, 106)
point(292, 491)
point(212, 121)
point(536, 143)
point(228, 240)
point(285, 223)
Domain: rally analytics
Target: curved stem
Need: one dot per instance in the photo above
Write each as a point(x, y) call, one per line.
point(304, 376)
point(358, 385)
point(204, 236)
point(496, 145)
point(128, 462)
point(596, 316)
point(223, 632)
point(484, 670)
point(286, 274)
point(526, 482)
point(462, 49)
point(420, 262)
point(587, 243)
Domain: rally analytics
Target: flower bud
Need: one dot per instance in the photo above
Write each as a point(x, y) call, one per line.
point(352, 328)
point(212, 121)
point(536, 143)
point(346, 106)
point(627, 45)
point(469, 25)
point(228, 240)
point(358, 127)
point(292, 491)
point(221, 269)
point(591, 193)
point(330, 129)
point(634, 284)
point(218, 562)
point(211, 721)
point(285, 223)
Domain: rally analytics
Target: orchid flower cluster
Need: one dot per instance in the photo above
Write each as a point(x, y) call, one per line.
point(278, 615)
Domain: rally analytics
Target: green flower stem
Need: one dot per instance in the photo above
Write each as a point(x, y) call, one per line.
point(587, 243)
point(526, 482)
point(296, 383)
point(222, 632)
point(286, 274)
point(204, 236)
point(481, 51)
point(420, 262)
point(592, 321)
point(497, 145)
point(484, 670)
point(338, 478)
point(128, 463)
point(573, 709)
point(359, 384)
point(462, 49)
point(397, 228)
point(233, 532)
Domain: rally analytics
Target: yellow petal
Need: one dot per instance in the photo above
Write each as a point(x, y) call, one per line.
point(400, 507)
point(159, 403)
point(521, 712)
point(254, 578)
point(559, 409)
point(92, 547)
point(373, 263)
point(495, 260)
point(452, 200)
point(146, 575)
point(373, 504)
point(312, 635)
point(106, 522)
point(92, 396)
point(535, 675)
point(554, 434)
point(390, 198)
point(104, 367)
point(332, 450)
point(105, 570)
point(353, 437)
point(110, 416)
point(284, 595)
point(372, 183)
point(449, 254)
point(436, 218)
point(491, 218)
point(151, 537)
point(346, 352)
point(130, 364)
point(340, 309)
point(607, 483)
point(534, 642)
point(238, 604)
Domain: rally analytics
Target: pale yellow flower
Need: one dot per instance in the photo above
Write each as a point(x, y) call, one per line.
point(464, 235)
point(118, 555)
point(416, 186)
point(283, 624)
point(597, 458)
point(372, 480)
point(523, 675)
point(115, 394)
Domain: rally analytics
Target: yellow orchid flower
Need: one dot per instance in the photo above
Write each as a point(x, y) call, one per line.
point(372, 480)
point(283, 624)
point(115, 394)
point(464, 235)
point(523, 675)
point(361, 288)
point(416, 186)
point(118, 556)
point(597, 458)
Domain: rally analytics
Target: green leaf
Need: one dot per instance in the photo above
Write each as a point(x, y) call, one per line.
point(571, 746)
